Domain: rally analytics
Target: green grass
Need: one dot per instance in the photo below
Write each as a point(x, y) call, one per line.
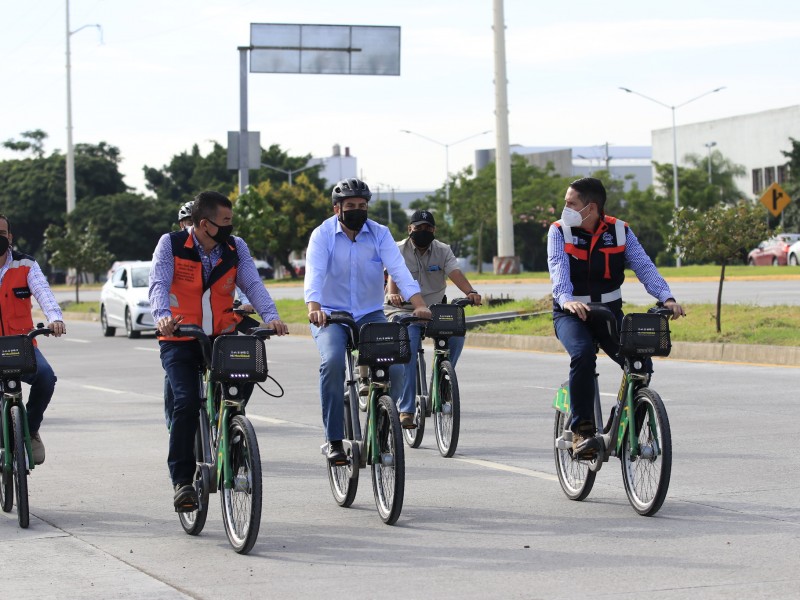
point(741, 324)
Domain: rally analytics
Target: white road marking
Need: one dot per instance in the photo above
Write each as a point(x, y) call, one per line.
point(76, 340)
point(147, 349)
point(508, 468)
point(103, 389)
point(552, 389)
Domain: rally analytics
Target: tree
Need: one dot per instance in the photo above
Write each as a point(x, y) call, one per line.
point(719, 235)
point(81, 250)
point(276, 220)
point(33, 141)
point(379, 212)
point(791, 214)
point(129, 224)
point(33, 190)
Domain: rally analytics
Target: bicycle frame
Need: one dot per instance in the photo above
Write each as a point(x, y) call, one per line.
point(441, 352)
point(8, 400)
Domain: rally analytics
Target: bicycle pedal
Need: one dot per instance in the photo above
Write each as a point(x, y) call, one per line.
point(447, 409)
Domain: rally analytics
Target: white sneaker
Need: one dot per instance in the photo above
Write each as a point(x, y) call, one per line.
point(38, 448)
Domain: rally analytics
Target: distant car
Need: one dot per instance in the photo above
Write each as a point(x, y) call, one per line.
point(265, 269)
point(124, 301)
point(299, 267)
point(774, 251)
point(793, 256)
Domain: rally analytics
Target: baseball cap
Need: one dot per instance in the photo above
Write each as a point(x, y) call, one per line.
point(423, 216)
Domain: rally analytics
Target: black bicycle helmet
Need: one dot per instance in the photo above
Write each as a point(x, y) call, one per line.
point(350, 188)
point(185, 211)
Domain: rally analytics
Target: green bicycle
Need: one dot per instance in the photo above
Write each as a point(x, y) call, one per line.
point(637, 431)
point(226, 447)
point(441, 399)
point(17, 358)
point(378, 345)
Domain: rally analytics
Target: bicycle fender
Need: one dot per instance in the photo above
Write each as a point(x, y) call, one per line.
point(561, 401)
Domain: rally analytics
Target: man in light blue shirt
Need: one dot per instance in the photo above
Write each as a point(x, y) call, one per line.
point(344, 271)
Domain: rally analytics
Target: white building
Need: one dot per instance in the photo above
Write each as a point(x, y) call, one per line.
point(754, 140)
point(338, 166)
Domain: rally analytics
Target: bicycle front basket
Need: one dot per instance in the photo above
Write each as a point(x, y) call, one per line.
point(239, 358)
point(16, 355)
point(645, 334)
point(446, 320)
point(383, 344)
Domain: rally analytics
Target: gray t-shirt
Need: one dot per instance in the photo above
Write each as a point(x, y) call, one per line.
point(430, 268)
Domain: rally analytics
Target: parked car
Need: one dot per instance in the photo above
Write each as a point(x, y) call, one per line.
point(793, 256)
point(299, 267)
point(265, 269)
point(124, 301)
point(774, 251)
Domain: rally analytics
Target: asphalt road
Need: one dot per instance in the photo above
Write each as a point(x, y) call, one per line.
point(490, 522)
point(759, 293)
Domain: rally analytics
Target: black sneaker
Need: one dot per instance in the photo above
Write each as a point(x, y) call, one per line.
point(584, 443)
point(185, 499)
point(336, 454)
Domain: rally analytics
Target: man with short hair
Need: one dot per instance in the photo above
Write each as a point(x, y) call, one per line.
point(344, 271)
point(20, 278)
point(430, 262)
point(193, 280)
point(587, 252)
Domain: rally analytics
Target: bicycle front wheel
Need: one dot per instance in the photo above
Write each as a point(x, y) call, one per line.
point(413, 437)
point(19, 467)
point(575, 477)
point(447, 422)
point(241, 503)
point(193, 522)
point(389, 472)
point(6, 475)
point(344, 478)
point(646, 476)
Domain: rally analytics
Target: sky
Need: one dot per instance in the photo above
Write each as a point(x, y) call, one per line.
point(166, 77)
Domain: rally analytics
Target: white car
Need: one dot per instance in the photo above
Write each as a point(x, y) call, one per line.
point(793, 256)
point(124, 301)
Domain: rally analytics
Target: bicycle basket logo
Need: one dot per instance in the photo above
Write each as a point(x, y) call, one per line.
point(239, 355)
point(10, 353)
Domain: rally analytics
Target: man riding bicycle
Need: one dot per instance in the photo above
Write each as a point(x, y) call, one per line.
point(193, 280)
point(587, 252)
point(430, 262)
point(344, 272)
point(20, 278)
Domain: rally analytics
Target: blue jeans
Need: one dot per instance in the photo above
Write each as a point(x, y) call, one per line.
point(169, 401)
point(43, 384)
point(331, 342)
point(405, 378)
point(578, 338)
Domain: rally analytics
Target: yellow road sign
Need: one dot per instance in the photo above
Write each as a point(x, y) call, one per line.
point(775, 199)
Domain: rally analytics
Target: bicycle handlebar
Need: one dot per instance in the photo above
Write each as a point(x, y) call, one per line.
point(40, 330)
point(462, 302)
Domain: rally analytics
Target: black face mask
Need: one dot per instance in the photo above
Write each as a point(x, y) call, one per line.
point(422, 238)
point(223, 232)
point(353, 219)
point(4, 244)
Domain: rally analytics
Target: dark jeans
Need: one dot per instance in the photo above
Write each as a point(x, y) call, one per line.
point(182, 362)
point(43, 383)
point(578, 338)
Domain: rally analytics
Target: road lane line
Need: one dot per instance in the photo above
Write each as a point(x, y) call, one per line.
point(508, 468)
point(552, 389)
point(76, 340)
point(147, 349)
point(103, 389)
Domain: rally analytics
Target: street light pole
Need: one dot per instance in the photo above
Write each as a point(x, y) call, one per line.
point(446, 161)
point(674, 146)
point(293, 171)
point(708, 146)
point(70, 148)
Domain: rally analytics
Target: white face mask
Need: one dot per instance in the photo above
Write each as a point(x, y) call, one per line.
point(571, 217)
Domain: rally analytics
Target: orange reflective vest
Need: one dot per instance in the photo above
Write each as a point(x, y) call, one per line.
point(208, 304)
point(15, 296)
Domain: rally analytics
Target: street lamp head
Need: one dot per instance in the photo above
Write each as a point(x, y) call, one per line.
point(710, 144)
point(624, 89)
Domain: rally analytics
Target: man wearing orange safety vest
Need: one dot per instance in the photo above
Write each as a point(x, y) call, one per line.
point(193, 280)
point(21, 278)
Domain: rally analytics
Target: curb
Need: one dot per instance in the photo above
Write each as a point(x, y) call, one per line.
point(784, 356)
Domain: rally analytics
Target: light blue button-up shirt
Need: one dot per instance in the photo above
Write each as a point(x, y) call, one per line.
point(345, 275)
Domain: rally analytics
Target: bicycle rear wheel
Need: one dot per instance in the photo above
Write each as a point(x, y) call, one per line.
point(193, 522)
point(344, 478)
point(389, 473)
point(20, 469)
point(446, 423)
point(575, 477)
point(6, 475)
point(646, 476)
point(241, 504)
